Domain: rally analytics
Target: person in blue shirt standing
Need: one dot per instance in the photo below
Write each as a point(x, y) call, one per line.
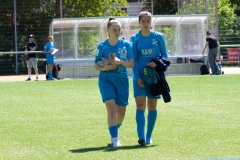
point(147, 44)
point(113, 56)
point(49, 48)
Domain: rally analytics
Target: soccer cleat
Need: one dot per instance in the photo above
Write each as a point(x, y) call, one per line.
point(142, 142)
point(37, 79)
point(147, 74)
point(51, 79)
point(29, 79)
point(116, 142)
point(150, 75)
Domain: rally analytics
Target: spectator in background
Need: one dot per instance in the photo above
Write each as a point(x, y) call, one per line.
point(31, 57)
point(49, 48)
point(213, 54)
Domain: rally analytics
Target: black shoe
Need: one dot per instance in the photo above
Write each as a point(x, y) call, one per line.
point(142, 142)
point(29, 79)
point(37, 79)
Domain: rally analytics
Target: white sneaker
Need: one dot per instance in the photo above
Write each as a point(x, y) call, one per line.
point(116, 142)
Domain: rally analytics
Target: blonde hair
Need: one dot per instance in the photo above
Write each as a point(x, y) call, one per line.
point(49, 37)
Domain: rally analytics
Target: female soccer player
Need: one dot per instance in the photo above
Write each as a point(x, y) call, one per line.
point(147, 44)
point(114, 55)
point(48, 48)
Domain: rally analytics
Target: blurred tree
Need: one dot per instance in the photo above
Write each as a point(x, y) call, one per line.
point(93, 8)
point(161, 7)
point(35, 17)
point(227, 17)
point(235, 2)
point(57, 8)
point(87, 40)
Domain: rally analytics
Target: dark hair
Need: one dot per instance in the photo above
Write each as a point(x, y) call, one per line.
point(144, 13)
point(208, 33)
point(110, 21)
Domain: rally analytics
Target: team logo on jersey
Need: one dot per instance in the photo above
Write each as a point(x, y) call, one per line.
point(120, 50)
point(148, 52)
point(154, 41)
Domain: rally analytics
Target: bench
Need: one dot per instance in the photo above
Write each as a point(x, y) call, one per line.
point(81, 68)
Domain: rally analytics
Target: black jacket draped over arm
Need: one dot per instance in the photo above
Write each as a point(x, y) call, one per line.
point(161, 87)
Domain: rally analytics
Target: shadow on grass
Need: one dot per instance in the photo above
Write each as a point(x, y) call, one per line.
point(108, 148)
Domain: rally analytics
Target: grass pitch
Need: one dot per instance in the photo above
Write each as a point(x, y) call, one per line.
point(67, 120)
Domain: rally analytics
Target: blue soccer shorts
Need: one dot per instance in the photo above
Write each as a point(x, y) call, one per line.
point(114, 88)
point(139, 91)
point(50, 59)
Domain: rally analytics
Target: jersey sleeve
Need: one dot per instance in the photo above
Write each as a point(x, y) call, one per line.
point(46, 47)
point(35, 44)
point(128, 46)
point(162, 46)
point(99, 53)
point(28, 46)
point(134, 49)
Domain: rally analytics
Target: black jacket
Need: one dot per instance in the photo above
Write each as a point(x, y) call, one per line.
point(161, 87)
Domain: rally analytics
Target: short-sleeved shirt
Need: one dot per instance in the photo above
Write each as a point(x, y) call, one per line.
point(212, 42)
point(31, 45)
point(105, 49)
point(49, 46)
point(50, 57)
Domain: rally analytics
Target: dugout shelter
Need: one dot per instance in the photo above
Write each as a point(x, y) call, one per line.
point(78, 38)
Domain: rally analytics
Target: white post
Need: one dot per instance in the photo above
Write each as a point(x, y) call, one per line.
point(152, 6)
point(196, 5)
point(216, 12)
point(15, 34)
point(60, 8)
point(178, 7)
point(107, 7)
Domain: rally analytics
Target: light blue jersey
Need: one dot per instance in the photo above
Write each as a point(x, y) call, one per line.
point(49, 46)
point(105, 49)
point(114, 84)
point(145, 49)
point(50, 57)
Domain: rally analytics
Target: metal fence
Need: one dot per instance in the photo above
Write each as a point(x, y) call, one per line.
point(19, 18)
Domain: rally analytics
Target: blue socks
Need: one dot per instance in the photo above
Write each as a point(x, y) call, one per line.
point(140, 120)
point(152, 116)
point(113, 130)
point(50, 75)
